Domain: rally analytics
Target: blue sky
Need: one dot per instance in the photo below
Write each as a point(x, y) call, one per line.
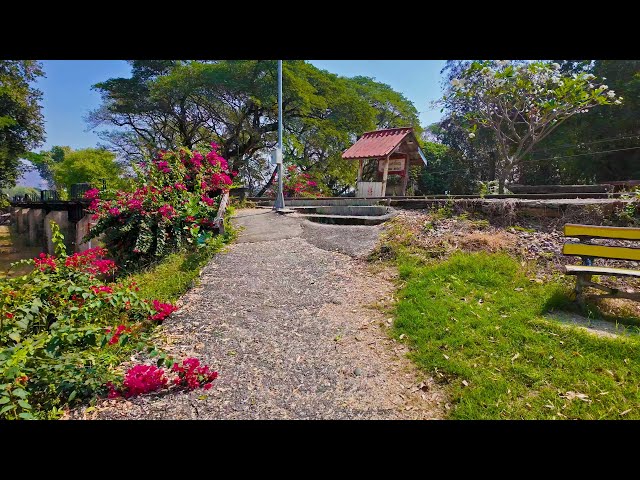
point(67, 94)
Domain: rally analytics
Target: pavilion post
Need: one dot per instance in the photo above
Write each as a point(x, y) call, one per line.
point(405, 178)
point(358, 183)
point(384, 176)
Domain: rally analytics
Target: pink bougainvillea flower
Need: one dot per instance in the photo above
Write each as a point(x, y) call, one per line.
point(92, 194)
point(167, 211)
point(209, 201)
point(143, 379)
point(191, 374)
point(45, 262)
point(163, 310)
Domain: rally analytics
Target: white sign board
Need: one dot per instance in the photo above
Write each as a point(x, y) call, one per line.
point(369, 189)
point(395, 165)
point(276, 156)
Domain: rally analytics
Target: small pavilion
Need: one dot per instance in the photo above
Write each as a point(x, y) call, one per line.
point(381, 153)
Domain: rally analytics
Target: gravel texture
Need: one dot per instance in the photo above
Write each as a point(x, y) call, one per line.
point(289, 324)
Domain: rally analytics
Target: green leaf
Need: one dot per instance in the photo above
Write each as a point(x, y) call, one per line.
point(73, 395)
point(24, 404)
point(7, 408)
point(15, 336)
point(4, 399)
point(19, 392)
point(26, 416)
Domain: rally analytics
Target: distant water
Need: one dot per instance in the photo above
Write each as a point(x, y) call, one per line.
point(12, 249)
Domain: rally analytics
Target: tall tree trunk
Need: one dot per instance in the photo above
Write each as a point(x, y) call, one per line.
point(503, 174)
point(264, 189)
point(492, 167)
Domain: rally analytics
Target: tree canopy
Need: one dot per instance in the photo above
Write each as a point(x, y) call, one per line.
point(88, 165)
point(167, 104)
point(21, 120)
point(522, 104)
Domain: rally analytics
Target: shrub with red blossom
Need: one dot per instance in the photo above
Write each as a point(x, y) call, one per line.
point(92, 262)
point(120, 329)
point(192, 375)
point(45, 262)
point(173, 204)
point(143, 379)
point(162, 310)
point(298, 184)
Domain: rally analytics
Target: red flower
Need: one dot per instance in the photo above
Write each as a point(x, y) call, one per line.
point(98, 289)
point(191, 374)
point(209, 201)
point(45, 262)
point(143, 379)
point(163, 310)
point(9, 315)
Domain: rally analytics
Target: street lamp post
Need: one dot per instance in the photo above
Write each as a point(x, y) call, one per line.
point(279, 203)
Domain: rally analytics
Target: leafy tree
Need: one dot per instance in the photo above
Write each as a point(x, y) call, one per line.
point(21, 121)
point(571, 152)
point(521, 104)
point(46, 159)
point(88, 165)
point(166, 104)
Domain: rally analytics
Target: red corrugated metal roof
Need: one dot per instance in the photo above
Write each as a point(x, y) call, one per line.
point(376, 144)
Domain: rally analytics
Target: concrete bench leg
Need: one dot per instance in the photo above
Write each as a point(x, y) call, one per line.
point(581, 281)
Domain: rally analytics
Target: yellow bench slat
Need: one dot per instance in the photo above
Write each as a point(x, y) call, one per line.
point(601, 251)
point(598, 231)
point(580, 269)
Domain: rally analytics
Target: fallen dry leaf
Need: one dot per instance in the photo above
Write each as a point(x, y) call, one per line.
point(515, 357)
point(572, 395)
point(625, 412)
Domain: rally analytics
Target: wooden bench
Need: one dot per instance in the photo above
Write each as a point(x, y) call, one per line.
point(589, 252)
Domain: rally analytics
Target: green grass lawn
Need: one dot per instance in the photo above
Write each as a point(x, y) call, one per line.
point(476, 322)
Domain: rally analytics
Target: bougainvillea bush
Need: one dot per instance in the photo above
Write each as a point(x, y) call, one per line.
point(297, 184)
point(64, 329)
point(173, 205)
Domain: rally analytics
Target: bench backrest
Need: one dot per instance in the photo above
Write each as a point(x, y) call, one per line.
point(586, 232)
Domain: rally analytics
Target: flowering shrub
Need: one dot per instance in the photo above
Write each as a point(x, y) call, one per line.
point(192, 375)
point(162, 310)
point(175, 200)
point(143, 379)
point(298, 184)
point(92, 262)
point(57, 340)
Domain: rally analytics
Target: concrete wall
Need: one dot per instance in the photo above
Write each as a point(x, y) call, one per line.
point(35, 228)
point(33, 225)
point(21, 223)
point(66, 228)
point(82, 229)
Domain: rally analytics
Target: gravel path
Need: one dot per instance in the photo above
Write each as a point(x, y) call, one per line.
point(288, 323)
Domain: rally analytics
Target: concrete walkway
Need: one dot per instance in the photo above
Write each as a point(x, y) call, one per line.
point(287, 320)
